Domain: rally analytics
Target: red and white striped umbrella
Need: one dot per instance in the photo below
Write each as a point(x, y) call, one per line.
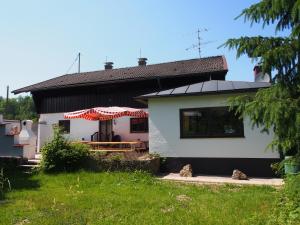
point(106, 113)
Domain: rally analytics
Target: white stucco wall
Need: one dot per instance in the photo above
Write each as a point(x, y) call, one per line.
point(80, 128)
point(121, 126)
point(164, 132)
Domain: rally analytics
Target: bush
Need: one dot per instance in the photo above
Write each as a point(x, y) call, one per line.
point(61, 155)
point(287, 210)
point(116, 157)
point(279, 167)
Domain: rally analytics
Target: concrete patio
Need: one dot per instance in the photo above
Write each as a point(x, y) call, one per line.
point(205, 179)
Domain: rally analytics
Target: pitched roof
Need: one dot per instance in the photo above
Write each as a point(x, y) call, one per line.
point(209, 87)
point(162, 70)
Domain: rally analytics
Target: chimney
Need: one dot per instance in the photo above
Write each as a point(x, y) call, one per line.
point(108, 65)
point(259, 76)
point(142, 61)
point(256, 70)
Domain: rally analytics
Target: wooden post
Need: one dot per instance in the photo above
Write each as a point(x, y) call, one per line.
point(7, 98)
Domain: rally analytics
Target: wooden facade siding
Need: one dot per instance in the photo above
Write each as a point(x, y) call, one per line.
point(120, 94)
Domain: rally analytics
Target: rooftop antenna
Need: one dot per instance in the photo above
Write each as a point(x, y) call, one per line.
point(79, 62)
point(75, 60)
point(199, 42)
point(140, 52)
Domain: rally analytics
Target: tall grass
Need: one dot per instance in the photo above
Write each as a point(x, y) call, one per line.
point(4, 183)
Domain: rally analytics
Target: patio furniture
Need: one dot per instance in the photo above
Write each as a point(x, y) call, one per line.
point(105, 115)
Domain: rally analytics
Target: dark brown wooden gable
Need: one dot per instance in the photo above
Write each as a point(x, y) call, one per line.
point(121, 94)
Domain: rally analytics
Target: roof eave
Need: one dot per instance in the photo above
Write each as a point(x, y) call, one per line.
point(249, 90)
point(25, 89)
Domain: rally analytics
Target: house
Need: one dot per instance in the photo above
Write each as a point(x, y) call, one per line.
point(113, 87)
point(191, 124)
point(189, 121)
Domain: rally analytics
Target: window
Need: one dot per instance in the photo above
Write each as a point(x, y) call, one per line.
point(210, 122)
point(64, 125)
point(138, 125)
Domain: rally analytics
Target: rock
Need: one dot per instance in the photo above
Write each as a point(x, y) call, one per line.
point(239, 175)
point(186, 171)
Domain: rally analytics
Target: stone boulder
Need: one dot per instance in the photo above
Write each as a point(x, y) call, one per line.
point(239, 175)
point(186, 171)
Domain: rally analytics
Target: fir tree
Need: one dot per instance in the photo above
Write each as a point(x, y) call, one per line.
point(276, 107)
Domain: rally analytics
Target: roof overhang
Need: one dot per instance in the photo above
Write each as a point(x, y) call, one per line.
point(191, 67)
point(237, 87)
point(119, 81)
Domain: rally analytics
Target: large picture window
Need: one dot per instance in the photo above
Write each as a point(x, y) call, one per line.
point(138, 125)
point(64, 126)
point(210, 122)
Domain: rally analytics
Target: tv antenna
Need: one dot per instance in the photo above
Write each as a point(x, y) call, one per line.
point(77, 59)
point(199, 42)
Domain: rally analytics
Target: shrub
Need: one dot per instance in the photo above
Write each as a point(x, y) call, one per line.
point(287, 210)
point(61, 155)
point(116, 157)
point(154, 155)
point(278, 167)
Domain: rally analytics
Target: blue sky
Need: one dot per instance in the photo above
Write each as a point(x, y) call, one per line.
point(39, 40)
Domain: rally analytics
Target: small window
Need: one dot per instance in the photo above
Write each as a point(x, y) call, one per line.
point(138, 125)
point(64, 125)
point(210, 122)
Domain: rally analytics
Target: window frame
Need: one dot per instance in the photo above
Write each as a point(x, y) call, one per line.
point(182, 136)
point(64, 130)
point(138, 132)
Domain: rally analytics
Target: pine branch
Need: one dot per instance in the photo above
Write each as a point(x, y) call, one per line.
point(284, 13)
point(275, 53)
point(277, 107)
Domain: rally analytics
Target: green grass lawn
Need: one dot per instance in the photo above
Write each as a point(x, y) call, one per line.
point(129, 198)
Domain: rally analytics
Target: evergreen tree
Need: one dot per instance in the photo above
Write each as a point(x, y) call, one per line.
point(276, 107)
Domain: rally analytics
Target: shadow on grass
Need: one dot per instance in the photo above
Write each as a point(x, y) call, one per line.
point(21, 181)
point(18, 180)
